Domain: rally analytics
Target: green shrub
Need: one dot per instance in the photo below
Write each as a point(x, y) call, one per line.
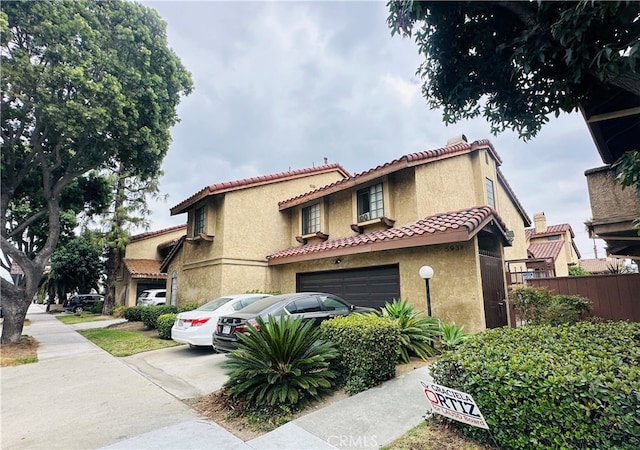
point(541, 387)
point(530, 304)
point(452, 335)
point(188, 306)
point(538, 306)
point(577, 271)
point(150, 314)
point(417, 333)
point(96, 308)
point(134, 313)
point(368, 349)
point(566, 309)
point(282, 362)
point(118, 311)
point(164, 323)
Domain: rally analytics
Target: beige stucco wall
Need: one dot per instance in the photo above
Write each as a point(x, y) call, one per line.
point(147, 248)
point(456, 288)
point(246, 226)
point(609, 201)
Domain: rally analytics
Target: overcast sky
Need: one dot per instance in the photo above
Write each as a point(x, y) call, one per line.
point(281, 85)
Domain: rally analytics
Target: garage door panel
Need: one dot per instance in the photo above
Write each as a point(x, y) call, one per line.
point(372, 286)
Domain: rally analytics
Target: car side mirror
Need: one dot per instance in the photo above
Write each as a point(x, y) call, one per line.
point(352, 307)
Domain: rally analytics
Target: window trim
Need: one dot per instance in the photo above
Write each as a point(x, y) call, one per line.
point(200, 220)
point(490, 192)
point(375, 197)
point(314, 218)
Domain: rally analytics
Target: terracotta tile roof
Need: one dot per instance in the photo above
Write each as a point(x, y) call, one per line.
point(144, 268)
point(410, 160)
point(550, 249)
point(149, 234)
point(600, 265)
point(551, 230)
point(236, 185)
point(456, 226)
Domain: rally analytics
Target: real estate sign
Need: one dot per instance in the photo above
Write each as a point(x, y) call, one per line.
point(453, 404)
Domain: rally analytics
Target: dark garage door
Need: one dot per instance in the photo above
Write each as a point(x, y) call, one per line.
point(372, 286)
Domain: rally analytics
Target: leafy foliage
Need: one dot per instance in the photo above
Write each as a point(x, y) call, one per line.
point(577, 271)
point(617, 268)
point(518, 62)
point(86, 85)
point(285, 362)
point(164, 324)
point(150, 314)
point(540, 387)
point(452, 335)
point(368, 349)
point(537, 306)
point(77, 265)
point(188, 306)
point(134, 313)
point(417, 333)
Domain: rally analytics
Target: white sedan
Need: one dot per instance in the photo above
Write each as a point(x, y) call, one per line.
point(196, 327)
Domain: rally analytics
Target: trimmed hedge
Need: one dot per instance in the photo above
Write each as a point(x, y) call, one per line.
point(134, 313)
point(541, 387)
point(96, 308)
point(164, 323)
point(150, 314)
point(368, 347)
point(188, 306)
point(538, 306)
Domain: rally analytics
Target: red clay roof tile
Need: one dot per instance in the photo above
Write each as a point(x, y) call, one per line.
point(550, 249)
point(466, 221)
point(148, 234)
point(144, 268)
point(245, 183)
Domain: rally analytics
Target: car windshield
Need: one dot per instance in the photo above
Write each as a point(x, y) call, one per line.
point(214, 304)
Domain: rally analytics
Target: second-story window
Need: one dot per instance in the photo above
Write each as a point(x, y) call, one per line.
point(311, 219)
point(370, 203)
point(491, 199)
point(199, 221)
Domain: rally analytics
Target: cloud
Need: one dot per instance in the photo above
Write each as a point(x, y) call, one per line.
point(281, 85)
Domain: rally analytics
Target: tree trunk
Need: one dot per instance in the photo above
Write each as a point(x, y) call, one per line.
point(15, 303)
point(114, 256)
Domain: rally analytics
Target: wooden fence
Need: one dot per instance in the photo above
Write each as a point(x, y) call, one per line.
point(613, 297)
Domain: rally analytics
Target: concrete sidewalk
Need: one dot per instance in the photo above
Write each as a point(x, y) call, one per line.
point(79, 397)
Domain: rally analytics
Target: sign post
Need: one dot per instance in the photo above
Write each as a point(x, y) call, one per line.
point(454, 404)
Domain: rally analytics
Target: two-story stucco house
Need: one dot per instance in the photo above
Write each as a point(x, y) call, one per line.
point(363, 237)
point(140, 267)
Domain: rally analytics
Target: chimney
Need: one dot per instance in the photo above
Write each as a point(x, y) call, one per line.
point(460, 139)
point(540, 222)
point(326, 160)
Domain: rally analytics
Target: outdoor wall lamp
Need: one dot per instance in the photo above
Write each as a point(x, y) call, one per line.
point(426, 272)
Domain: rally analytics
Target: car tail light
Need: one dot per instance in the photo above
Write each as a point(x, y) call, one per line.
point(254, 323)
point(197, 322)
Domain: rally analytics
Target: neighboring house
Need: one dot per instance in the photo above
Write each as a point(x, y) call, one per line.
point(363, 237)
point(551, 250)
point(600, 266)
point(140, 268)
point(613, 118)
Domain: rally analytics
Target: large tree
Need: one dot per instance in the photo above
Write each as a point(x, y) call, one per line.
point(85, 85)
point(516, 63)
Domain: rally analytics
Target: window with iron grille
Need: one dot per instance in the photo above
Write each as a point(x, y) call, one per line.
point(311, 219)
point(491, 199)
point(370, 203)
point(199, 221)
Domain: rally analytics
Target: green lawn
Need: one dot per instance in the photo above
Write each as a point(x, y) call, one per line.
point(125, 343)
point(70, 319)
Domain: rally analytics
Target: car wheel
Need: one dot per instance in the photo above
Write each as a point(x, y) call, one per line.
point(78, 309)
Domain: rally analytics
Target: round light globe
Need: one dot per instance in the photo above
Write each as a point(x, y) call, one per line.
point(426, 272)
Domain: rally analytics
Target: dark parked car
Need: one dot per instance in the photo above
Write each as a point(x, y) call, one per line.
point(80, 302)
point(315, 306)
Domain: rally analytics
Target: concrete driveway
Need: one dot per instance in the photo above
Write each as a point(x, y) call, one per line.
point(183, 372)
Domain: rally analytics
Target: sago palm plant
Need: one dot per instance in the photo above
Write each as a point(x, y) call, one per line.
point(280, 362)
point(417, 332)
point(452, 335)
